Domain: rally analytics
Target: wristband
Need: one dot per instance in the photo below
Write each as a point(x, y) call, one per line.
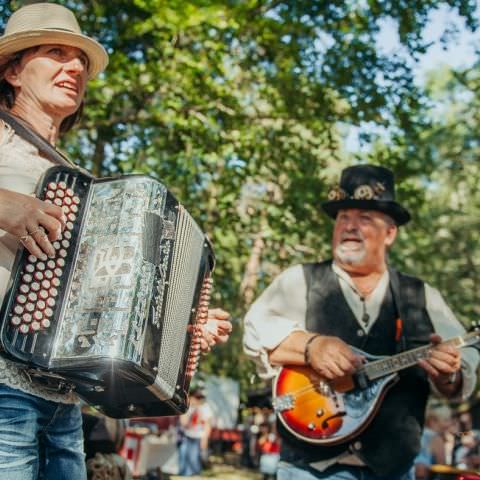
point(306, 352)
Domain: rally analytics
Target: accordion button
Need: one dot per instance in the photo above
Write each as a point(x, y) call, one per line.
point(62, 185)
point(32, 258)
point(60, 262)
point(27, 318)
point(18, 309)
point(56, 245)
point(76, 200)
point(50, 195)
point(51, 264)
point(23, 328)
point(48, 312)
point(48, 274)
point(45, 323)
point(69, 192)
point(50, 302)
point(41, 305)
point(35, 326)
point(32, 296)
point(35, 286)
point(46, 284)
point(60, 194)
point(43, 294)
point(58, 272)
point(30, 307)
point(38, 315)
point(21, 299)
point(53, 292)
point(24, 288)
point(27, 278)
point(29, 268)
point(65, 243)
point(62, 252)
point(52, 186)
point(16, 321)
point(58, 202)
point(69, 225)
point(72, 217)
point(55, 282)
point(40, 266)
point(38, 276)
point(74, 209)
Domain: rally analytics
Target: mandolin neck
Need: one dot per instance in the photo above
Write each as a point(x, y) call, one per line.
point(395, 363)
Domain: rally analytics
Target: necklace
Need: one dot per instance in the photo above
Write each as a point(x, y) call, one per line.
point(365, 316)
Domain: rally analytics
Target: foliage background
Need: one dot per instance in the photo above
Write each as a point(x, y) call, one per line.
point(241, 108)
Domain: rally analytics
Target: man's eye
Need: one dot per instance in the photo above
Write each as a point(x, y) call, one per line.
point(55, 51)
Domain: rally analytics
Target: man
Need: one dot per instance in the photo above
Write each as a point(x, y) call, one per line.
point(312, 315)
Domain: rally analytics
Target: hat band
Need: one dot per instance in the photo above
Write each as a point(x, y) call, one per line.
point(362, 192)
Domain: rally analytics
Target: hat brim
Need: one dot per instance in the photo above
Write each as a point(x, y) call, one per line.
point(97, 55)
point(400, 215)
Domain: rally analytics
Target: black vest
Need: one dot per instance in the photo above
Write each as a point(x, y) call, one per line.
point(392, 440)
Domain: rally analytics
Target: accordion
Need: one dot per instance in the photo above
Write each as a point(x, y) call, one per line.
point(116, 315)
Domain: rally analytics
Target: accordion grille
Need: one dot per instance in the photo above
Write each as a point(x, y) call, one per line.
point(186, 260)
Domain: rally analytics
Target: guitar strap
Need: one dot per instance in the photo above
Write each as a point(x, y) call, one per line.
point(401, 343)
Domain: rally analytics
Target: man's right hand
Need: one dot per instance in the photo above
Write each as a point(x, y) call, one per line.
point(332, 358)
point(34, 222)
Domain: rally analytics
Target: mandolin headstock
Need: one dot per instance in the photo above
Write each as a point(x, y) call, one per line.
point(474, 334)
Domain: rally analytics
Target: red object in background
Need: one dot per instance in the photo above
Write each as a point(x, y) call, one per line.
point(469, 476)
point(130, 450)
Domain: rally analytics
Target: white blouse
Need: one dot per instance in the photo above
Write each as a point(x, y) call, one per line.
point(21, 167)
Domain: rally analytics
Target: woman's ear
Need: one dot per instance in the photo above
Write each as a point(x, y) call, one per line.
point(12, 76)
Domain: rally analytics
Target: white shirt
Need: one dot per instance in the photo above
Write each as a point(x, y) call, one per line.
point(281, 310)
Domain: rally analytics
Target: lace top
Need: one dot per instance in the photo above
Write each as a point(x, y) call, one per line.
point(20, 170)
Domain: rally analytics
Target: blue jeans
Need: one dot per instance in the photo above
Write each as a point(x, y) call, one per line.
point(39, 439)
point(190, 457)
point(287, 471)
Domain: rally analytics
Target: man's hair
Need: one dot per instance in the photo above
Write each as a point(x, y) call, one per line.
point(8, 95)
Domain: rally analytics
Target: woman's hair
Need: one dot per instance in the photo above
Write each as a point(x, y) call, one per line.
point(7, 91)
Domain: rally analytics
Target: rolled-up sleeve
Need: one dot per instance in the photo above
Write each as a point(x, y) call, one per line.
point(279, 311)
point(447, 326)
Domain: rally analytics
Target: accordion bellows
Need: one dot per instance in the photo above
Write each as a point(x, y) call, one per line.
point(116, 315)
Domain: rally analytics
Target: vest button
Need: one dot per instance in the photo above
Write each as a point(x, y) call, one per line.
point(357, 445)
point(360, 332)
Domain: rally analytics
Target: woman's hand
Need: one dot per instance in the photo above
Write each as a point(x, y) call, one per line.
point(34, 222)
point(216, 330)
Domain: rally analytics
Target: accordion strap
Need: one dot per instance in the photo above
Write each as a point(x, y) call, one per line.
point(26, 132)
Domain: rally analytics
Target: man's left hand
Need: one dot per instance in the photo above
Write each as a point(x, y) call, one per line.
point(216, 330)
point(443, 361)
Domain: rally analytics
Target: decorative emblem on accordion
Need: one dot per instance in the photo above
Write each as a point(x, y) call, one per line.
point(117, 314)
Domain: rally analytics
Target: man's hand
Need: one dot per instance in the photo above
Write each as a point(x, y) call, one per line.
point(216, 330)
point(332, 358)
point(443, 361)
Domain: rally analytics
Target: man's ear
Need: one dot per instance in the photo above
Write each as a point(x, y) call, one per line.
point(392, 231)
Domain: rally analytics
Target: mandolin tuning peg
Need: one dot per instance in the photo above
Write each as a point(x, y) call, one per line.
point(475, 326)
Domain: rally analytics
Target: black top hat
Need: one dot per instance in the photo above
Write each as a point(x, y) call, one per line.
point(367, 187)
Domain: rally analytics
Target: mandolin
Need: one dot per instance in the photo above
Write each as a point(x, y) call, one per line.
point(332, 412)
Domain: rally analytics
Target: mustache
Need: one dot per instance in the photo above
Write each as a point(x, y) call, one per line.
point(352, 235)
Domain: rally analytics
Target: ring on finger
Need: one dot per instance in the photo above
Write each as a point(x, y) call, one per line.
point(37, 230)
point(25, 238)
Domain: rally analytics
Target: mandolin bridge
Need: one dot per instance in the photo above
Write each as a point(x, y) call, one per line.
point(282, 403)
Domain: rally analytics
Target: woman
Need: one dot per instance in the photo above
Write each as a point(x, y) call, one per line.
point(45, 63)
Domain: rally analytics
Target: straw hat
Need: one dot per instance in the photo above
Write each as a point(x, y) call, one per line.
point(45, 23)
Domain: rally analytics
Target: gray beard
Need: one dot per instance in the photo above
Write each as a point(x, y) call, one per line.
point(348, 257)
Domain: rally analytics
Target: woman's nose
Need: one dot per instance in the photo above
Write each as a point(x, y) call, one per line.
point(75, 65)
